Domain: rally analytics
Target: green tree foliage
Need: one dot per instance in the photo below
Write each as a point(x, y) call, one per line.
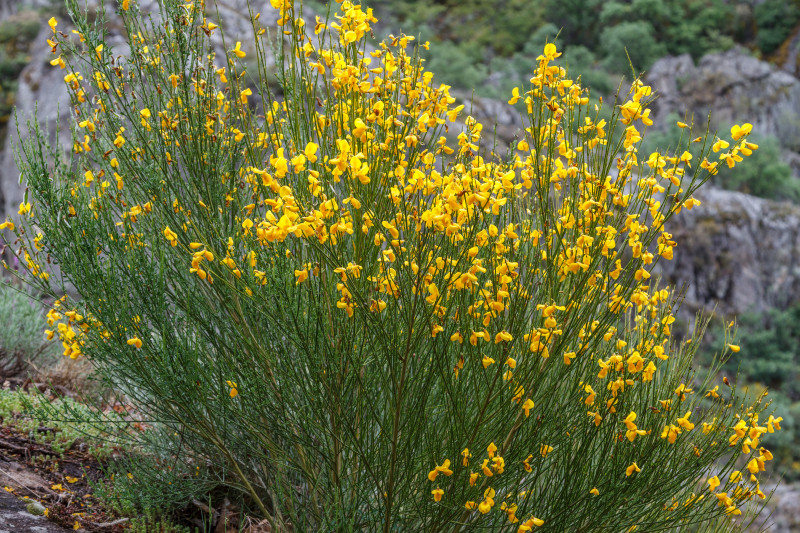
point(775, 20)
point(453, 62)
point(696, 27)
point(630, 46)
point(770, 343)
point(500, 28)
point(578, 20)
point(581, 61)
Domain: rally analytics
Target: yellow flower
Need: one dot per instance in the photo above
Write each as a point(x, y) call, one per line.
point(135, 341)
point(238, 51)
point(301, 276)
point(491, 449)
point(719, 145)
point(734, 347)
point(52, 23)
point(443, 469)
point(632, 468)
point(437, 494)
point(594, 492)
point(713, 483)
point(737, 132)
point(684, 422)
point(58, 61)
point(527, 406)
point(503, 336)
point(529, 524)
point(485, 468)
point(488, 501)
point(244, 94)
point(773, 423)
point(682, 391)
point(234, 388)
point(526, 463)
point(550, 51)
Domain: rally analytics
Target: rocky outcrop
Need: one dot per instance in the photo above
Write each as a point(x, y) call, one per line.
point(736, 252)
point(732, 86)
point(782, 514)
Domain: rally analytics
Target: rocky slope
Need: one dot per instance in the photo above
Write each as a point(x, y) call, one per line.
point(737, 252)
point(733, 86)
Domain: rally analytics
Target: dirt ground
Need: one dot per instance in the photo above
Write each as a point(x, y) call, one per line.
point(30, 473)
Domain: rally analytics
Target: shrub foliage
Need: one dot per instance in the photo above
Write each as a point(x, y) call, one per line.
point(365, 319)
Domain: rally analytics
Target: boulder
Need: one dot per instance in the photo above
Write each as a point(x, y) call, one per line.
point(736, 252)
point(732, 86)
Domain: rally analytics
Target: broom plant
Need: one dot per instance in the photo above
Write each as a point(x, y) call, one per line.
point(340, 292)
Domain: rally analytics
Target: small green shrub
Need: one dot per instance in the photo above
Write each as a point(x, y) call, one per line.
point(630, 40)
point(153, 485)
point(26, 412)
point(775, 20)
point(21, 340)
point(156, 525)
point(20, 28)
point(453, 62)
point(11, 66)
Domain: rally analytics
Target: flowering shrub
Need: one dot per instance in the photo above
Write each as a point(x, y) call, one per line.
point(364, 318)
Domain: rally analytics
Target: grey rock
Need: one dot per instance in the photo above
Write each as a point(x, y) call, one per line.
point(733, 87)
point(492, 113)
point(14, 518)
point(736, 252)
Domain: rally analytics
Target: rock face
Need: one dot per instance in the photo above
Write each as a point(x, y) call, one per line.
point(734, 87)
point(737, 252)
point(785, 508)
point(14, 517)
